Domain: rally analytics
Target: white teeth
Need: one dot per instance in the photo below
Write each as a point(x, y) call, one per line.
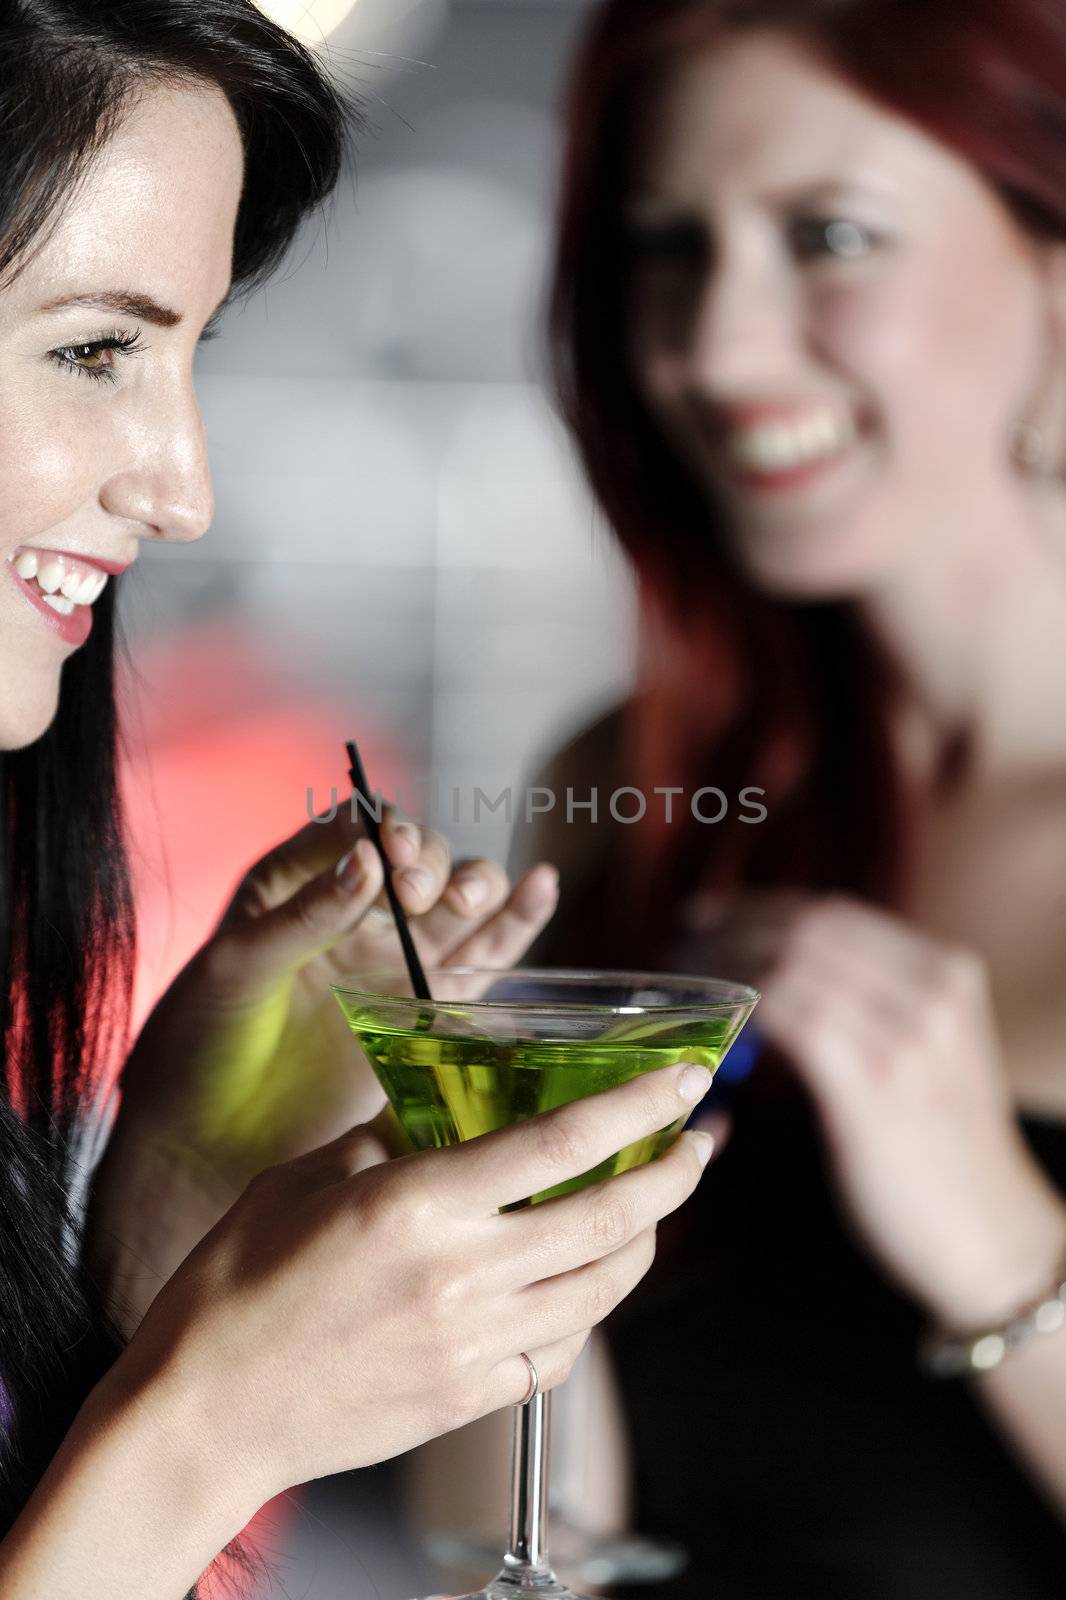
point(60, 583)
point(50, 576)
point(830, 429)
point(59, 603)
point(779, 446)
point(90, 588)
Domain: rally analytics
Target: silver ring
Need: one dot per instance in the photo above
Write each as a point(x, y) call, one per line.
point(534, 1381)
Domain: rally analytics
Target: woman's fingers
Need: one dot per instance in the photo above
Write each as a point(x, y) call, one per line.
point(475, 891)
point(252, 953)
point(343, 1158)
point(718, 1125)
point(321, 844)
point(508, 1382)
point(505, 937)
point(421, 862)
point(561, 1235)
point(467, 916)
point(556, 1319)
point(513, 1163)
point(401, 837)
point(343, 904)
point(578, 1300)
point(869, 947)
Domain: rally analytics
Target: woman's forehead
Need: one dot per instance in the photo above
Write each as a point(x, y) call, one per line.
point(155, 208)
point(762, 112)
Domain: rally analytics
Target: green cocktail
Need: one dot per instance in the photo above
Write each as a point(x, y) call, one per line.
point(493, 1048)
point(445, 1090)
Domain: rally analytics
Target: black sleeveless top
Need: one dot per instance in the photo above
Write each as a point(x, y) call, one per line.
point(780, 1429)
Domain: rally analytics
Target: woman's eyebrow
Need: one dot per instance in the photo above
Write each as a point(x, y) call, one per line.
point(830, 191)
point(128, 303)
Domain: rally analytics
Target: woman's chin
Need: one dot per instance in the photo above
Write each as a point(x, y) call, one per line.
point(24, 721)
point(807, 575)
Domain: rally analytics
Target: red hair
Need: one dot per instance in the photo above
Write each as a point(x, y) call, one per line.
point(740, 689)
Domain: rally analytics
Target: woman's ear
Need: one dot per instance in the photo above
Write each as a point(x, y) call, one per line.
point(1055, 424)
point(1038, 444)
point(1055, 257)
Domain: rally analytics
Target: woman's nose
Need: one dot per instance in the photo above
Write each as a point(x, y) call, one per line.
point(741, 336)
point(166, 486)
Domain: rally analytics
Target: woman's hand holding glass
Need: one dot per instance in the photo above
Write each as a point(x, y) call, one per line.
point(348, 1307)
point(246, 1061)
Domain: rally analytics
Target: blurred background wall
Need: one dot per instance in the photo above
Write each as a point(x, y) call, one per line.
point(403, 549)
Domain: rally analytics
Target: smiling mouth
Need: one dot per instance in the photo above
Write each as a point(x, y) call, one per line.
point(785, 449)
point(62, 582)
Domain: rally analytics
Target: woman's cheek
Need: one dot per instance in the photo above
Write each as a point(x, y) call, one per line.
point(45, 469)
point(956, 349)
point(875, 331)
point(935, 394)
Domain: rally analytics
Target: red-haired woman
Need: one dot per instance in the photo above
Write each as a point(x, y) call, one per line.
point(809, 308)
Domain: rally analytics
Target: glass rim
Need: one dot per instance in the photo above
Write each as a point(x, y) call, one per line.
point(727, 993)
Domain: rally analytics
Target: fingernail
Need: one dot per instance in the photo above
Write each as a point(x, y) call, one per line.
point(693, 1083)
point(550, 880)
point(704, 1143)
point(405, 832)
point(471, 891)
point(417, 881)
point(350, 872)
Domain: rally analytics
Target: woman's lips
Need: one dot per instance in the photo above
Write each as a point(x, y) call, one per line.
point(62, 589)
point(765, 450)
point(788, 480)
point(73, 630)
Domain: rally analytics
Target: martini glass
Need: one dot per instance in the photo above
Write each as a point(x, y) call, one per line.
point(493, 1048)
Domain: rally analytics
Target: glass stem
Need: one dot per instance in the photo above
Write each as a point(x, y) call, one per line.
point(529, 1485)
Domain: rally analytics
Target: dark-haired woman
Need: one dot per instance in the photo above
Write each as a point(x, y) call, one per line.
point(810, 309)
point(153, 155)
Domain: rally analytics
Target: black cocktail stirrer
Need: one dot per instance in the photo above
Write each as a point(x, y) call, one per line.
point(415, 971)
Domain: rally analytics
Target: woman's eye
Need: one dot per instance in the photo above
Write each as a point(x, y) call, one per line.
point(831, 238)
point(96, 359)
point(90, 358)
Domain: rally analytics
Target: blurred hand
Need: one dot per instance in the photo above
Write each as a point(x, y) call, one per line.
point(717, 1125)
point(348, 1308)
point(738, 935)
point(894, 1037)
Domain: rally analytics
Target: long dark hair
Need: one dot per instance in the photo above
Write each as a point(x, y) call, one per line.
point(740, 689)
point(69, 70)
